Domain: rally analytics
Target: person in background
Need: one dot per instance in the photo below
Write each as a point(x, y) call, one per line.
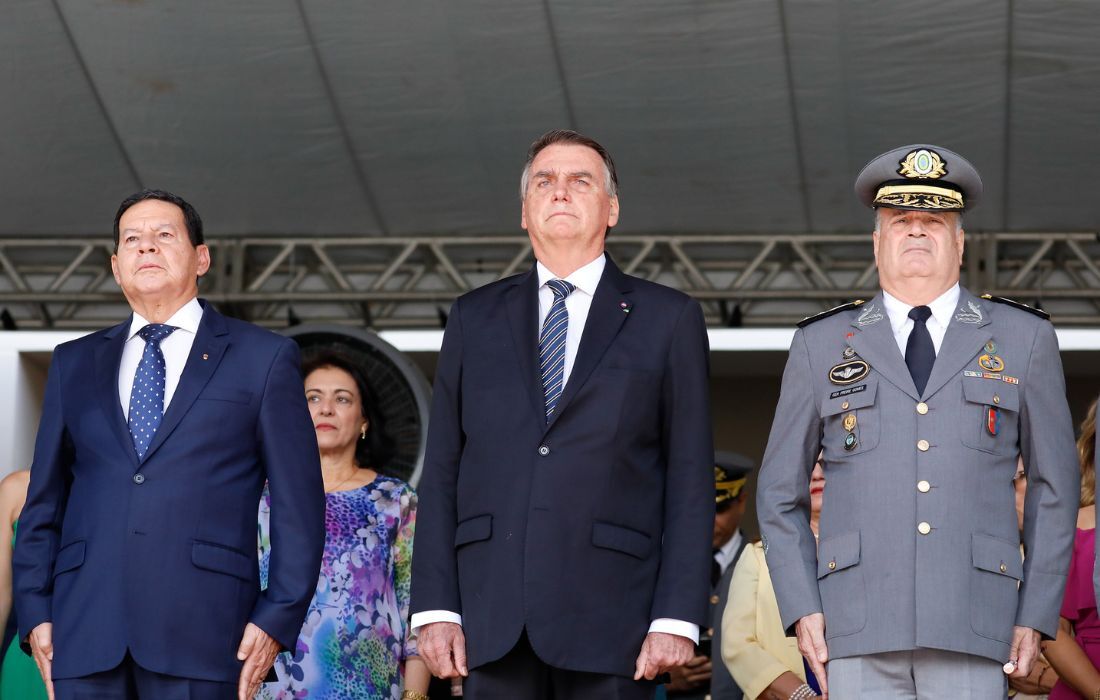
point(1075, 652)
point(705, 675)
point(1038, 683)
point(19, 678)
point(757, 652)
point(355, 642)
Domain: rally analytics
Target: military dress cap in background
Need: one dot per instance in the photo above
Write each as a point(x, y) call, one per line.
point(731, 471)
point(920, 177)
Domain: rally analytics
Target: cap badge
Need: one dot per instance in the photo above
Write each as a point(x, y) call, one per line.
point(922, 164)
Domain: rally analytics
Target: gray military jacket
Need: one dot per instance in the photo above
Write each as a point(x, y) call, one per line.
point(919, 541)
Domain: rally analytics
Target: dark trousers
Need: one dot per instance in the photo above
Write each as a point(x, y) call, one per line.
point(522, 675)
point(128, 681)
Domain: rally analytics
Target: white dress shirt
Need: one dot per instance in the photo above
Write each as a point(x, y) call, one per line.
point(175, 348)
point(585, 279)
point(943, 308)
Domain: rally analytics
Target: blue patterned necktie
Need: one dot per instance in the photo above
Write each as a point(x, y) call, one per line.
point(147, 393)
point(552, 345)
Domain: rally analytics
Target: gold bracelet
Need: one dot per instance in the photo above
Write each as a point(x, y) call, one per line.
point(413, 695)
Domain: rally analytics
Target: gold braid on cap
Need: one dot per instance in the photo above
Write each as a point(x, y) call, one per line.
point(728, 490)
point(918, 197)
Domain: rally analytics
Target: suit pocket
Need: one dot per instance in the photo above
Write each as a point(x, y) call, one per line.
point(69, 557)
point(475, 529)
point(994, 585)
point(621, 539)
point(991, 414)
point(227, 394)
point(222, 559)
point(840, 582)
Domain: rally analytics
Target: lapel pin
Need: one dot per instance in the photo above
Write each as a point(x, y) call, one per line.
point(205, 356)
point(624, 306)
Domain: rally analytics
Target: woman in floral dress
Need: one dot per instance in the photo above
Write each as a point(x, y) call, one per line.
point(355, 641)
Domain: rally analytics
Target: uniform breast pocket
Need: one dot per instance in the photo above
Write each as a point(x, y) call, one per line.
point(991, 412)
point(850, 422)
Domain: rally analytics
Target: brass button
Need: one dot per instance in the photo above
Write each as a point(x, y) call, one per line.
point(922, 408)
point(714, 600)
point(844, 406)
point(832, 565)
point(924, 528)
point(996, 398)
point(1003, 567)
point(923, 486)
point(922, 445)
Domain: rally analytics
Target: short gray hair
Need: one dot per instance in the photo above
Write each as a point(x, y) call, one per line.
point(568, 137)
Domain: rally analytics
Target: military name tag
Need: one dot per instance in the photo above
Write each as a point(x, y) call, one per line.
point(847, 392)
point(849, 372)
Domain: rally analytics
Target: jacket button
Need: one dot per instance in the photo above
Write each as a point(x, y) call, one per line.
point(714, 600)
point(544, 450)
point(139, 479)
point(832, 565)
point(922, 445)
point(924, 528)
point(996, 398)
point(1003, 567)
point(923, 486)
point(844, 406)
point(922, 408)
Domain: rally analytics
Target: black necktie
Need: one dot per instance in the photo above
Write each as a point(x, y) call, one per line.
point(920, 354)
point(715, 570)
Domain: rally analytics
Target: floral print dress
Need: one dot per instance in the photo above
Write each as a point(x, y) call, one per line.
point(355, 638)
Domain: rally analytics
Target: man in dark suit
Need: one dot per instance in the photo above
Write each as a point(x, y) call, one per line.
point(135, 566)
point(563, 535)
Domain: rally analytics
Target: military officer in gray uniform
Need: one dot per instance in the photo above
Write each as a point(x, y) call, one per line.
point(922, 400)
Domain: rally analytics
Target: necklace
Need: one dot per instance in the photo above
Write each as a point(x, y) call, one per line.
point(346, 480)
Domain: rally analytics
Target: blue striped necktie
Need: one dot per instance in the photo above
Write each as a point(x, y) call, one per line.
point(147, 394)
point(552, 345)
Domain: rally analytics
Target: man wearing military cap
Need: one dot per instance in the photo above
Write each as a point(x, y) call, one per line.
point(922, 400)
point(706, 675)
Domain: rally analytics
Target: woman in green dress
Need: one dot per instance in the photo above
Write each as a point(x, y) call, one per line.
point(19, 678)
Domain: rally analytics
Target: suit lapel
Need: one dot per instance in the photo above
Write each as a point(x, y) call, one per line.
point(523, 310)
point(108, 355)
point(605, 317)
point(874, 342)
point(206, 352)
point(966, 335)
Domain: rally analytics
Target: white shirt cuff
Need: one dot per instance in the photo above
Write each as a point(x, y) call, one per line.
point(671, 626)
point(429, 616)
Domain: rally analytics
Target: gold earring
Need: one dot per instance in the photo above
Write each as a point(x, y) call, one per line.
point(363, 432)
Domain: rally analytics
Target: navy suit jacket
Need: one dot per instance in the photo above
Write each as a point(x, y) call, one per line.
point(158, 556)
point(585, 529)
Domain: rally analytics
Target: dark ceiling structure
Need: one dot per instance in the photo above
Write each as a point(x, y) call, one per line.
point(309, 119)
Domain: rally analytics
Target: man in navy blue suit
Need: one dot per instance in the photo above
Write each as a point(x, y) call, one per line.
point(135, 564)
point(566, 505)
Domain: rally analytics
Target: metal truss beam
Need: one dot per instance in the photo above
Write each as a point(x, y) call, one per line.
point(406, 282)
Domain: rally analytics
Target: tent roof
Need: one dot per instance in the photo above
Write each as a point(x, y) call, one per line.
point(407, 118)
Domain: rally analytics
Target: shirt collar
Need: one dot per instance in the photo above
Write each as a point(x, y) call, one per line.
point(187, 318)
point(942, 308)
point(726, 550)
point(584, 278)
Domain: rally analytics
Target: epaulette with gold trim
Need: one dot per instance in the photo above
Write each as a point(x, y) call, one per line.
point(1017, 305)
point(826, 314)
